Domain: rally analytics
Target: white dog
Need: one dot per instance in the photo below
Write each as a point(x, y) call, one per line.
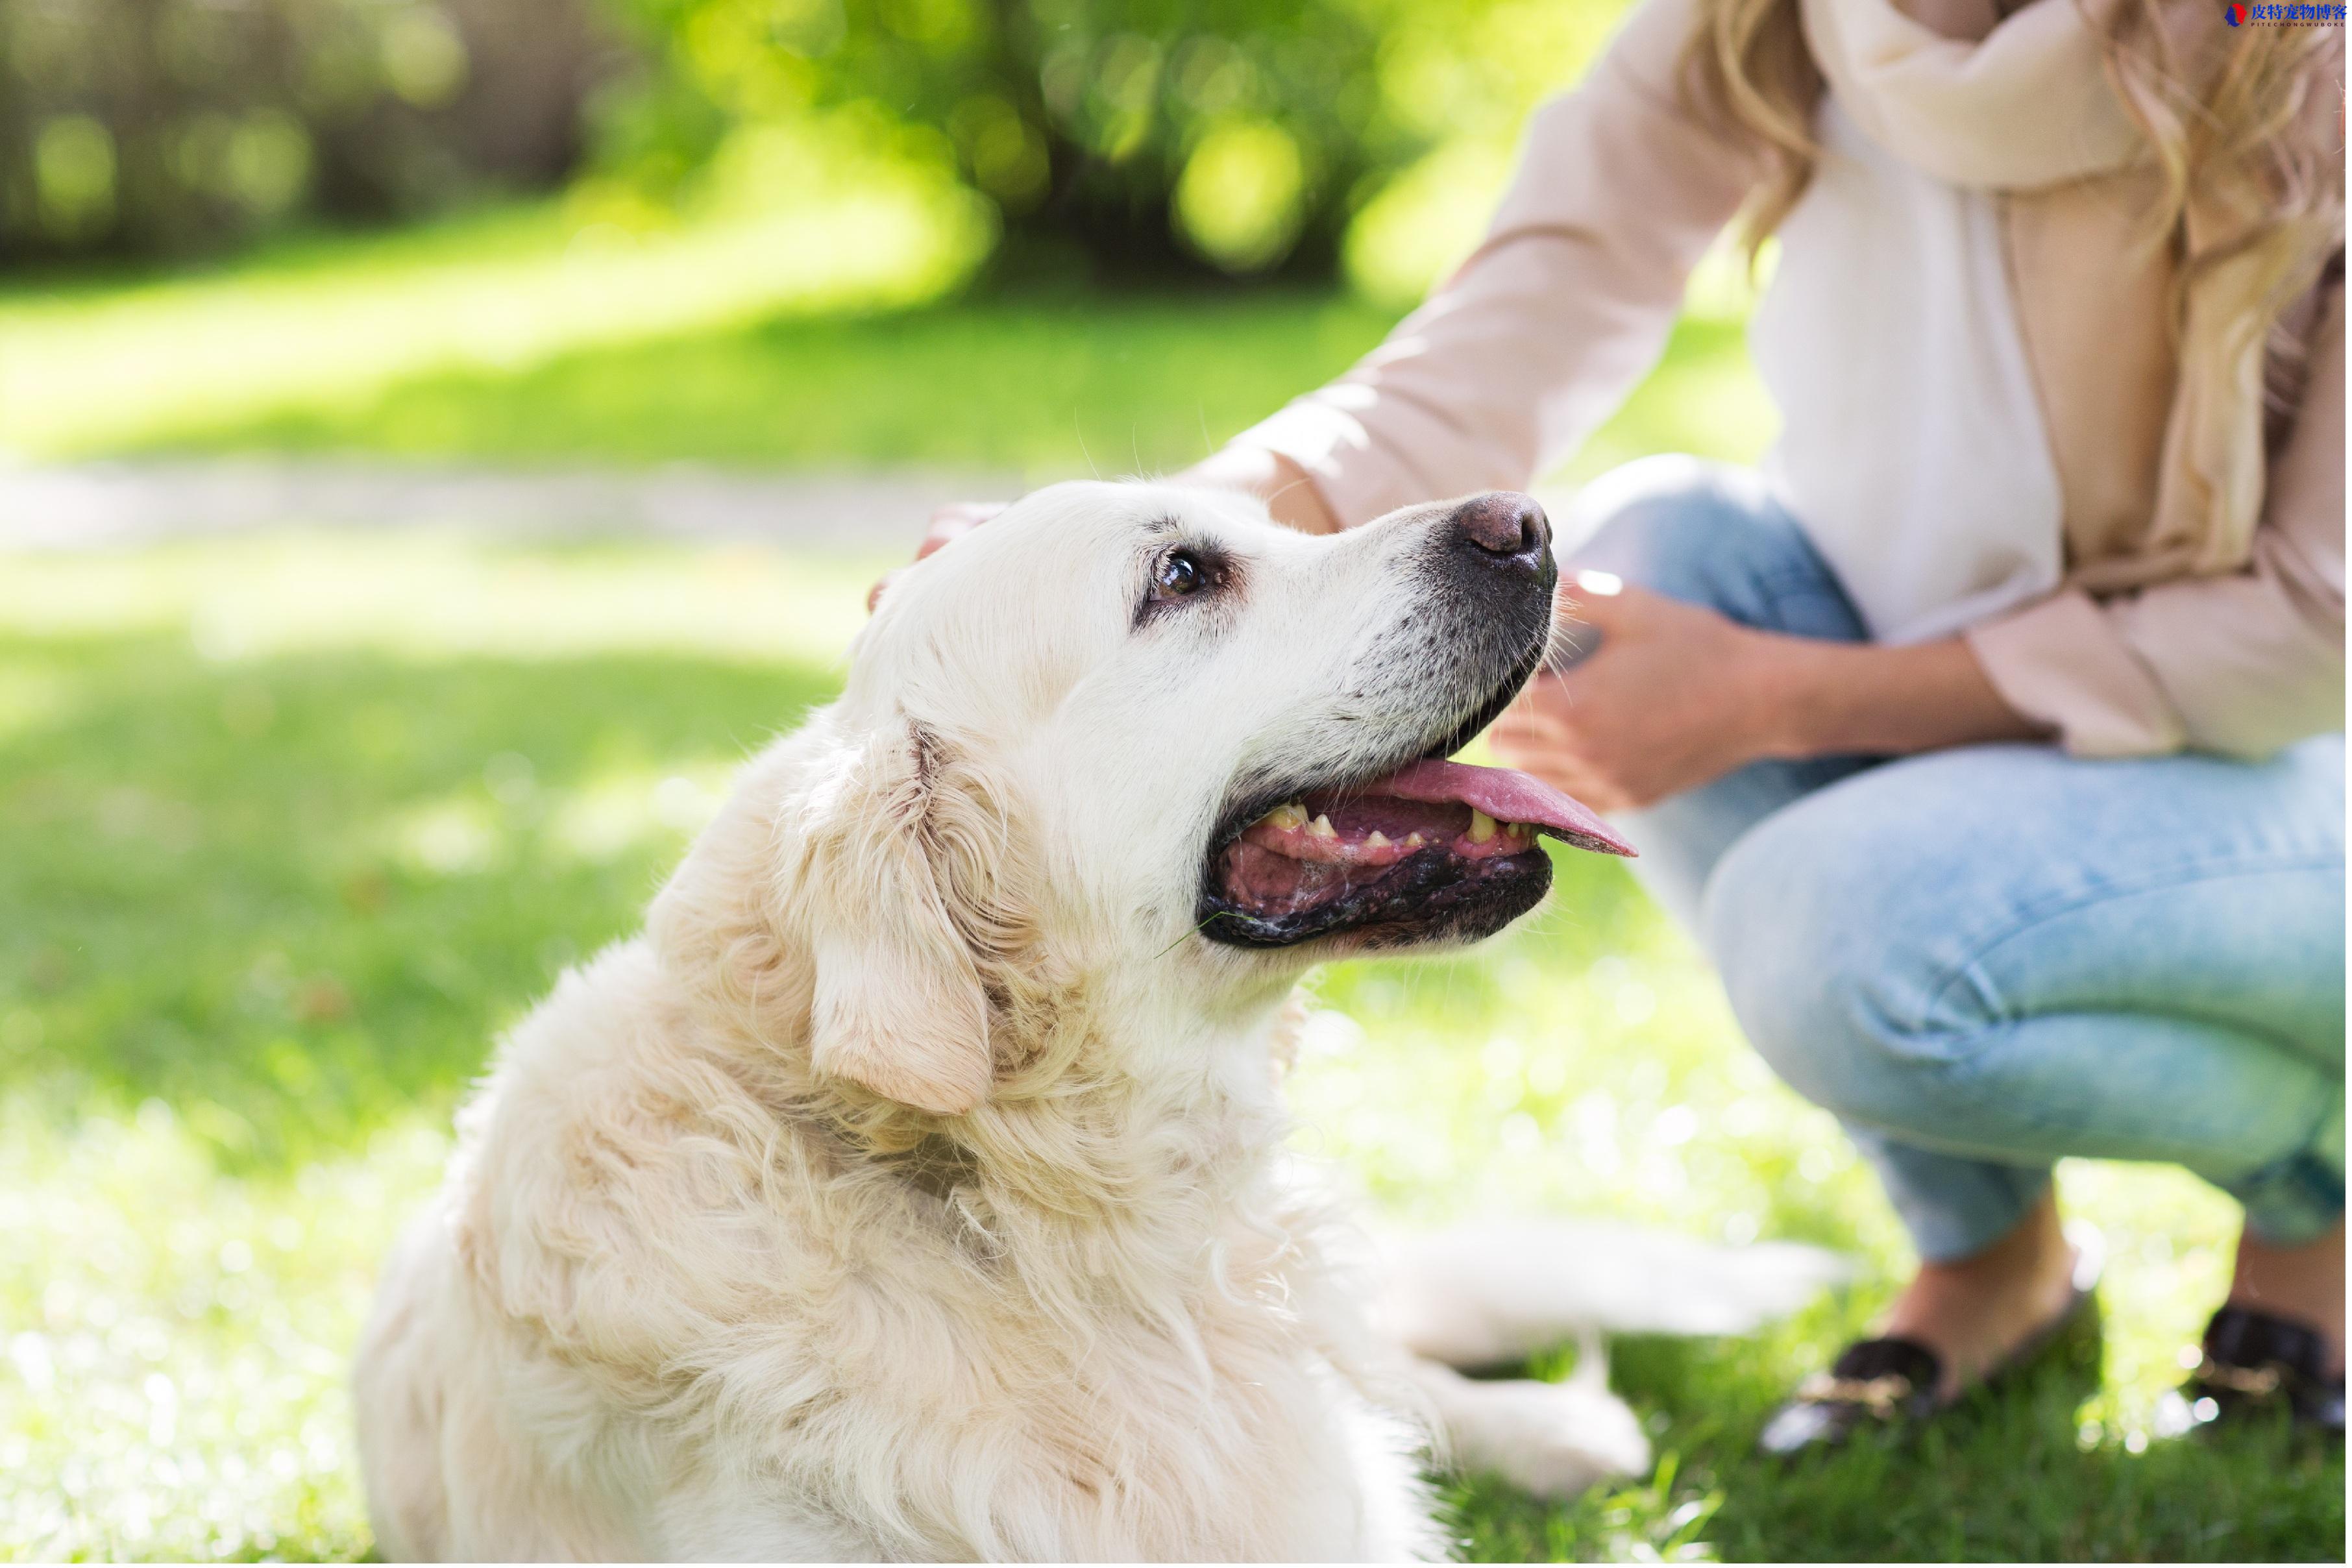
point(915, 1188)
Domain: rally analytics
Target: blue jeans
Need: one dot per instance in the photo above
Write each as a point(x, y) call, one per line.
point(1988, 958)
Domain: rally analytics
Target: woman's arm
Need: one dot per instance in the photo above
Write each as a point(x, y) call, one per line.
point(1674, 696)
point(1290, 495)
point(2243, 663)
point(1538, 337)
point(1876, 699)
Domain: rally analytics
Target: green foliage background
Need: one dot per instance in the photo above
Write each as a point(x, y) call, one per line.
point(174, 127)
point(1122, 137)
point(1142, 133)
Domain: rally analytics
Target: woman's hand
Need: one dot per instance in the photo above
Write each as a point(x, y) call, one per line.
point(1676, 696)
point(1290, 495)
point(953, 520)
point(948, 524)
point(1669, 700)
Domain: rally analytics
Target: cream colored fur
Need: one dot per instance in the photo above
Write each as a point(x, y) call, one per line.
point(914, 1187)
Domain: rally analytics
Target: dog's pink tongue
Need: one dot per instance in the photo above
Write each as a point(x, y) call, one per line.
point(1506, 795)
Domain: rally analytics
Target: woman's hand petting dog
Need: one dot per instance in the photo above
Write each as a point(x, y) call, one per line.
point(949, 523)
point(1290, 497)
point(1668, 699)
point(953, 520)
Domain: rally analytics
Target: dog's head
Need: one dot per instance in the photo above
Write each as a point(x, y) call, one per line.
point(1137, 725)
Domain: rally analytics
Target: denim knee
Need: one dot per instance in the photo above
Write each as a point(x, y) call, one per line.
point(1798, 918)
point(1713, 535)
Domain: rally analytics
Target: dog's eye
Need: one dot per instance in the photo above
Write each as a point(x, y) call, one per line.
point(1183, 576)
point(1178, 574)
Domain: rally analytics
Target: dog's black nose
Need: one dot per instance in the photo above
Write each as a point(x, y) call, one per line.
point(1506, 528)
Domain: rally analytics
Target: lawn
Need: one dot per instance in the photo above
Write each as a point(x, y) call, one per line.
point(513, 338)
point(293, 824)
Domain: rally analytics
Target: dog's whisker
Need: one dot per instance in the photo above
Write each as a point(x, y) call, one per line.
point(1194, 931)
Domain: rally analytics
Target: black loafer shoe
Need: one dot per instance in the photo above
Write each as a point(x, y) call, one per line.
point(1894, 1381)
point(2255, 1364)
point(1874, 1382)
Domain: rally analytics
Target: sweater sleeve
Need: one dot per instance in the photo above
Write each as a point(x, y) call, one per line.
point(2240, 664)
point(1535, 340)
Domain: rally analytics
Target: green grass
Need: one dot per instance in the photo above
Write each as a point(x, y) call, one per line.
point(333, 323)
point(1022, 384)
point(830, 336)
point(291, 827)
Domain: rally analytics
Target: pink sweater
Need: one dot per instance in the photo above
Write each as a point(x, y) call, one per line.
point(2150, 628)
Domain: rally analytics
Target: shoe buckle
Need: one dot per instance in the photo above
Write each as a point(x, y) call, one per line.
point(2254, 1382)
point(1879, 1394)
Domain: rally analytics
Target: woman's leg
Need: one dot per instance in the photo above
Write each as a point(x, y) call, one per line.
point(1988, 958)
point(2303, 1280)
point(1995, 1257)
point(1712, 536)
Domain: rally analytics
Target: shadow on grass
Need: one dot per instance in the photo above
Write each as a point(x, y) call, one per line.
point(1055, 381)
point(296, 897)
point(1045, 383)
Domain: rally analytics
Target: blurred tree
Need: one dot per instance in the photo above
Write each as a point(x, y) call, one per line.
point(174, 126)
point(1135, 137)
point(1152, 135)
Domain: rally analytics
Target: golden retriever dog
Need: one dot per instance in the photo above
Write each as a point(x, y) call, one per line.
point(915, 1186)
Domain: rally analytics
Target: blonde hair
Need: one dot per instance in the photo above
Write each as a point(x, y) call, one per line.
point(2249, 202)
point(2219, 128)
point(2226, 140)
point(1748, 68)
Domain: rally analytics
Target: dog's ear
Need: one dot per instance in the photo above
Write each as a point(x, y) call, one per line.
point(899, 1005)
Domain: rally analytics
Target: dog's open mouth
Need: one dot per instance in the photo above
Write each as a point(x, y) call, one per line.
point(1433, 850)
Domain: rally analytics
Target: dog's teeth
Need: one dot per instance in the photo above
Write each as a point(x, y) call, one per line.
point(1287, 815)
point(1415, 841)
point(1376, 839)
point(1321, 828)
point(1482, 827)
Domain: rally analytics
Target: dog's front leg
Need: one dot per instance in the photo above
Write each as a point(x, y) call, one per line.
point(1554, 1440)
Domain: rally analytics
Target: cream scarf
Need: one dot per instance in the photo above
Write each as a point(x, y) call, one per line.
point(2023, 103)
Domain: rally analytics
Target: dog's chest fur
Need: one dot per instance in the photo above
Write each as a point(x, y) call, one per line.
point(905, 1351)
